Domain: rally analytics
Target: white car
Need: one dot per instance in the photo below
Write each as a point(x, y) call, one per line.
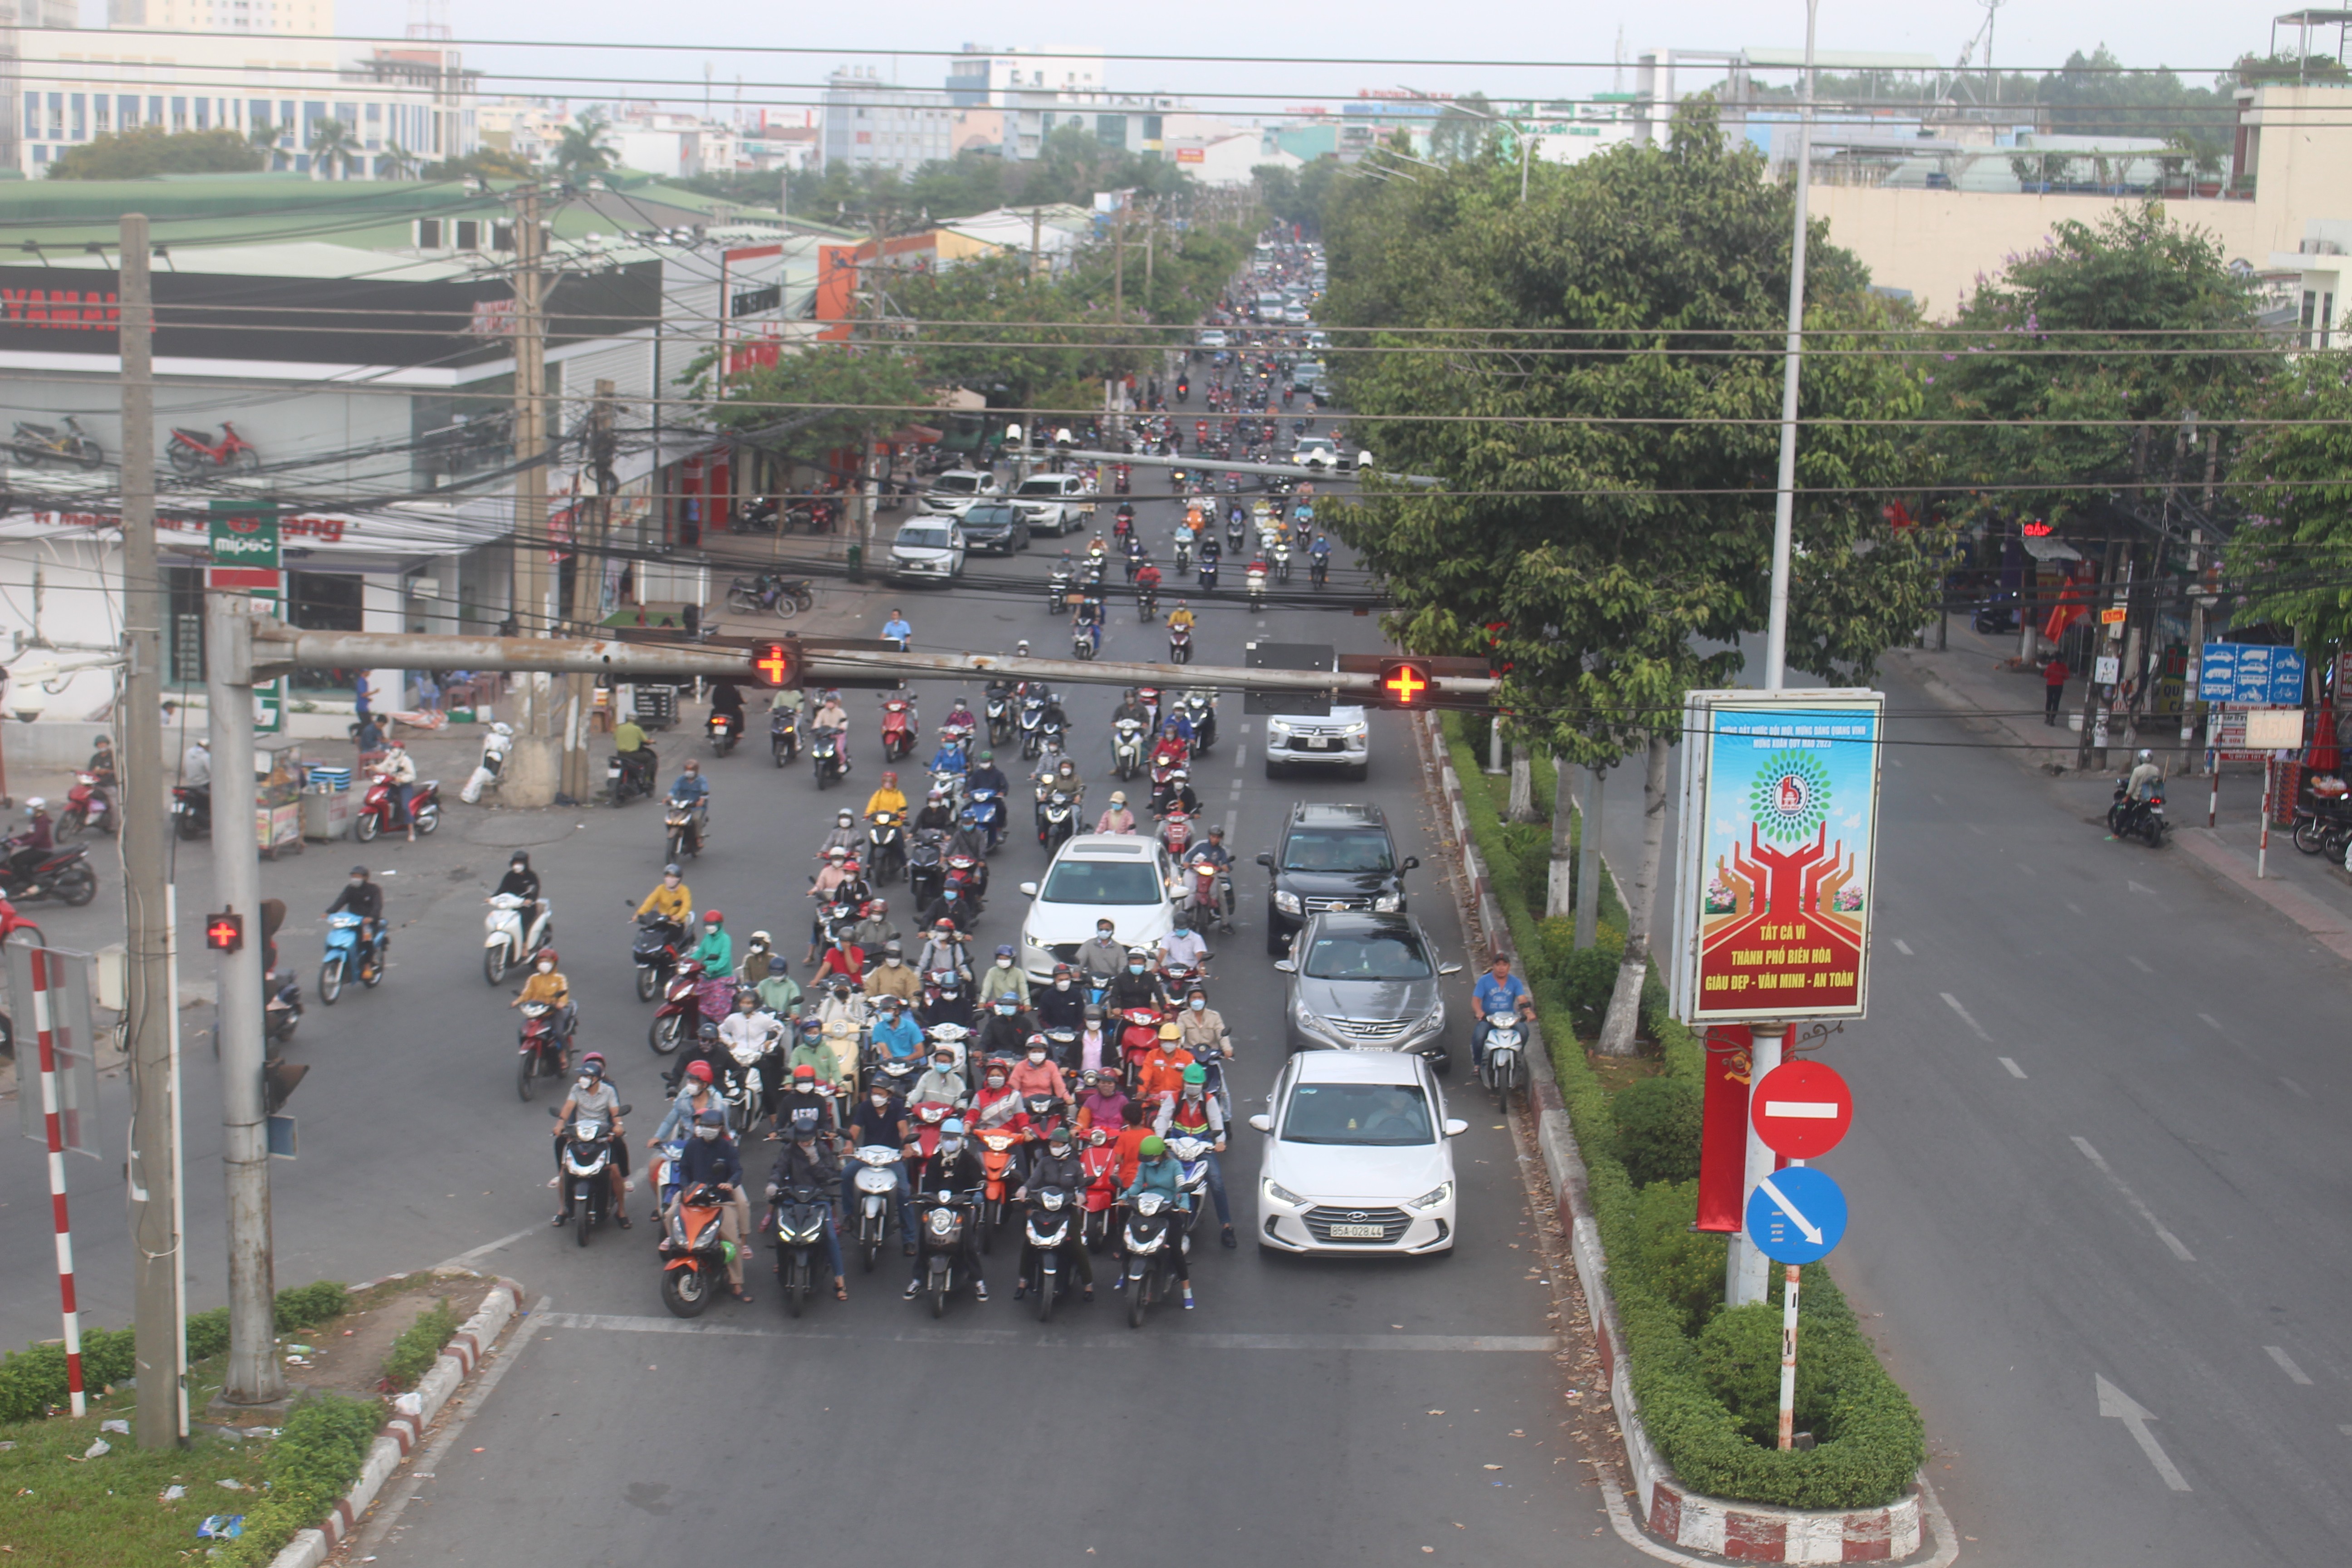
point(951, 494)
point(928, 549)
point(1122, 878)
point(1317, 452)
point(1214, 338)
point(1054, 503)
point(1341, 738)
point(1357, 1157)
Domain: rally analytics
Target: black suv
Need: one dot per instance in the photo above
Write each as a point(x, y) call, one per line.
point(995, 526)
point(1330, 857)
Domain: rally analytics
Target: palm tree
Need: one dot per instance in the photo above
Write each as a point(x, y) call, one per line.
point(332, 142)
point(262, 134)
point(583, 149)
point(396, 161)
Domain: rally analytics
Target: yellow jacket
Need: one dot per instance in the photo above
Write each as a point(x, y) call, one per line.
point(550, 988)
point(676, 903)
point(886, 800)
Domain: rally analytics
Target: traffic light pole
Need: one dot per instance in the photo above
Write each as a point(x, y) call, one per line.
point(253, 1376)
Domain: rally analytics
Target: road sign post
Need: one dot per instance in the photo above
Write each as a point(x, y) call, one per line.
point(1795, 1216)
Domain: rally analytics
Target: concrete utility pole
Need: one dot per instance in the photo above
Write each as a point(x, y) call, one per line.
point(1587, 862)
point(531, 767)
point(1036, 222)
point(1118, 262)
point(254, 1374)
point(592, 530)
point(1150, 233)
point(159, 1267)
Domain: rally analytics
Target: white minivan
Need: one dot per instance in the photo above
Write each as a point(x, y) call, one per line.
point(928, 549)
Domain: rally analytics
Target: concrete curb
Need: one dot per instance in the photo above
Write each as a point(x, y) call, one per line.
point(458, 1361)
point(1752, 1533)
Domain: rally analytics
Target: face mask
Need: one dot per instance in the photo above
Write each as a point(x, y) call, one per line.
point(880, 1100)
point(1003, 963)
point(1135, 968)
point(945, 1064)
point(357, 882)
point(546, 969)
point(995, 1080)
point(1036, 1056)
point(1199, 1003)
point(1102, 933)
point(950, 1145)
point(706, 1134)
point(949, 895)
point(1061, 986)
point(585, 1086)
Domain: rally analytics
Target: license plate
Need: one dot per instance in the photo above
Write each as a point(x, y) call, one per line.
point(1359, 1233)
point(1320, 742)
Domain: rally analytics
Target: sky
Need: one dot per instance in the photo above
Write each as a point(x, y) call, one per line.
point(2030, 34)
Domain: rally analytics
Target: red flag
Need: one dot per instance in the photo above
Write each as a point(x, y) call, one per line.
point(2073, 606)
point(1723, 1131)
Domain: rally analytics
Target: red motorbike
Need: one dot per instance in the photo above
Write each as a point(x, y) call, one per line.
point(968, 876)
point(897, 729)
point(997, 1148)
point(88, 805)
point(1099, 1159)
point(929, 1116)
point(192, 451)
point(1138, 1038)
point(679, 1017)
point(1176, 832)
point(378, 814)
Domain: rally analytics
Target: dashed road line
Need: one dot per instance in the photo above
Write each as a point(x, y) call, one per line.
point(2139, 962)
point(1904, 948)
point(2295, 1374)
point(1954, 1004)
point(2171, 1241)
point(2014, 1070)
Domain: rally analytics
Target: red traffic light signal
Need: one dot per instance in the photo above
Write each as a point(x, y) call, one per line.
point(225, 932)
point(1405, 683)
point(777, 664)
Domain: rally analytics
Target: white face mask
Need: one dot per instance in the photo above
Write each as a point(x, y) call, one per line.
point(1036, 1056)
point(1003, 963)
point(1061, 986)
point(891, 958)
point(546, 969)
point(1198, 1002)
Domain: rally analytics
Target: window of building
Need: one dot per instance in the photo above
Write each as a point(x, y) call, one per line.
point(179, 114)
point(56, 116)
point(428, 234)
point(204, 114)
point(470, 234)
point(99, 106)
point(324, 601)
point(155, 112)
point(1111, 129)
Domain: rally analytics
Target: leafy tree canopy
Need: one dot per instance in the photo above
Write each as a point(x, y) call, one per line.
point(148, 151)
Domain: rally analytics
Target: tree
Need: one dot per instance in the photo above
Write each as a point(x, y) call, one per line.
point(2293, 561)
point(138, 154)
point(1609, 568)
point(396, 161)
point(584, 148)
point(332, 142)
point(483, 163)
point(852, 391)
point(1463, 129)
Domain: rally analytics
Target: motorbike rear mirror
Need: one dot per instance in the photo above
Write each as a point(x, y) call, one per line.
point(1261, 1121)
point(1449, 969)
point(623, 1110)
point(1285, 967)
point(556, 1110)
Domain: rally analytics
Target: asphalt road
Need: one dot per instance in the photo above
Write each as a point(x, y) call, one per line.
point(2098, 1136)
point(1319, 1411)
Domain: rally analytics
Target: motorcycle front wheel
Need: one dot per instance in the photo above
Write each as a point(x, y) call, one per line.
point(1045, 1287)
point(940, 1297)
point(1136, 1289)
point(70, 823)
point(427, 819)
point(648, 982)
point(365, 827)
point(796, 1284)
point(495, 963)
point(331, 981)
point(2309, 835)
point(526, 1069)
point(684, 1291)
point(666, 1034)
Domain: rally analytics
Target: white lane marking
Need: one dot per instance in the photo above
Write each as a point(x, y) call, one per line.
point(1232, 819)
point(2140, 1208)
point(1244, 730)
point(1954, 1004)
point(2139, 962)
point(1977, 828)
point(2208, 1018)
point(1235, 788)
point(1905, 949)
point(1936, 798)
point(2014, 1070)
point(2295, 1088)
point(1507, 1344)
point(2347, 1430)
point(2295, 1374)
point(2070, 904)
point(2115, 1402)
point(2135, 887)
point(464, 1258)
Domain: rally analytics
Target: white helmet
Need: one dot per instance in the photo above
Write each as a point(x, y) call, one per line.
point(501, 728)
point(34, 804)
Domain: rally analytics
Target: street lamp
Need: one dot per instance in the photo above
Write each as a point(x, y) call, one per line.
point(1784, 506)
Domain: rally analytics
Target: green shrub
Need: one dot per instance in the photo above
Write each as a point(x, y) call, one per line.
point(1658, 1130)
point(419, 1345)
point(33, 1380)
point(1684, 1266)
point(1740, 1355)
point(1589, 977)
point(307, 1306)
point(317, 1457)
point(1556, 939)
point(207, 1333)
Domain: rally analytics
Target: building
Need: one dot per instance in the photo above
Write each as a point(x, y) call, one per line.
point(870, 123)
point(981, 78)
point(1227, 159)
point(309, 18)
point(398, 105)
point(530, 128)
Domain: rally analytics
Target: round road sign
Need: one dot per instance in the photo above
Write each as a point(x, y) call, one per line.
point(1801, 1110)
point(1796, 1216)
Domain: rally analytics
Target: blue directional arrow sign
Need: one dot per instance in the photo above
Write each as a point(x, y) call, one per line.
point(1796, 1216)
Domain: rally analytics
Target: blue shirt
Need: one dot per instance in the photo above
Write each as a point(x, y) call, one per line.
point(903, 1037)
point(1498, 996)
point(950, 759)
point(897, 628)
point(690, 786)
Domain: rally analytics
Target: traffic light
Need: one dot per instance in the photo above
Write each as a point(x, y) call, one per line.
point(279, 1077)
point(1405, 683)
point(225, 932)
point(777, 665)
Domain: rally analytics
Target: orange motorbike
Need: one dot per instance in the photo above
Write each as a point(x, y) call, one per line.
point(998, 1149)
point(694, 1255)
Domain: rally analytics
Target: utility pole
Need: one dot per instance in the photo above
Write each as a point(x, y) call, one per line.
point(1118, 262)
point(531, 778)
point(1036, 221)
point(159, 1267)
point(591, 531)
point(1151, 232)
point(254, 1374)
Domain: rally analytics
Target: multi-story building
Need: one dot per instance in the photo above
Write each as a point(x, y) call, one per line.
point(312, 18)
point(982, 77)
point(871, 123)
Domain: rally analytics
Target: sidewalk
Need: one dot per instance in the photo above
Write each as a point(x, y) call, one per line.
point(1973, 677)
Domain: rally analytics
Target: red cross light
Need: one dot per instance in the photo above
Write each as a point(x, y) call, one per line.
point(776, 665)
point(225, 932)
point(1404, 683)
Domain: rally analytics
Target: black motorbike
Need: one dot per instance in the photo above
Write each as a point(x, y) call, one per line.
point(725, 727)
point(1057, 595)
point(2141, 819)
point(587, 1173)
point(1995, 615)
point(999, 708)
point(785, 733)
point(63, 874)
point(798, 1226)
point(1051, 1229)
point(939, 1225)
point(886, 848)
point(656, 952)
point(1155, 1231)
point(191, 810)
point(628, 775)
point(927, 867)
point(825, 756)
point(282, 1010)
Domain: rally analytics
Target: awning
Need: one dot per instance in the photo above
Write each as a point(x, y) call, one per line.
point(2044, 548)
point(914, 436)
point(420, 530)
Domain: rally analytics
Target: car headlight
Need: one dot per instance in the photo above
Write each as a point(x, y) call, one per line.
point(1287, 903)
point(1279, 1193)
point(1307, 1020)
point(1435, 1196)
point(1435, 1017)
point(1387, 904)
point(1277, 728)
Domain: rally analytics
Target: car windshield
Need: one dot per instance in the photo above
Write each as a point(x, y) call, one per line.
point(1380, 1115)
point(1102, 882)
point(957, 484)
point(982, 516)
point(1371, 956)
point(1337, 849)
point(923, 538)
point(1040, 487)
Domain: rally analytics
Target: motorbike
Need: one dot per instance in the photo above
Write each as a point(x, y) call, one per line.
point(283, 1011)
point(1122, 480)
point(886, 848)
point(679, 1017)
point(192, 451)
point(1176, 832)
point(787, 596)
point(1208, 574)
point(508, 944)
point(1086, 638)
point(1179, 645)
point(1053, 735)
point(1183, 549)
point(347, 957)
point(1133, 560)
point(999, 712)
point(784, 733)
point(625, 781)
point(1995, 615)
point(2324, 829)
point(2127, 818)
point(897, 729)
point(1060, 821)
point(757, 515)
point(539, 1049)
point(940, 1224)
point(1122, 524)
point(694, 1255)
point(191, 810)
point(1256, 580)
point(1138, 1036)
point(486, 773)
point(1032, 716)
point(1236, 535)
point(825, 756)
point(376, 812)
point(926, 867)
point(587, 1170)
point(1100, 1198)
point(1281, 560)
point(1154, 1230)
point(1051, 1229)
point(1200, 711)
point(1147, 604)
point(1318, 567)
point(800, 1220)
point(724, 728)
point(969, 877)
point(997, 1148)
point(88, 805)
point(990, 805)
point(34, 444)
point(681, 830)
point(655, 953)
point(949, 784)
point(1208, 896)
point(1127, 748)
point(1503, 1070)
point(878, 1185)
point(1057, 593)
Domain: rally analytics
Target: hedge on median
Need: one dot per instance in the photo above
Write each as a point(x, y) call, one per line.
point(33, 1380)
point(315, 1457)
point(1696, 1394)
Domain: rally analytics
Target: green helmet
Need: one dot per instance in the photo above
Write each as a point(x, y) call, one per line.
point(1154, 1147)
point(1195, 1075)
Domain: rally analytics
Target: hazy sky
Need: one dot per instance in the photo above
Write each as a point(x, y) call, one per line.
point(2029, 32)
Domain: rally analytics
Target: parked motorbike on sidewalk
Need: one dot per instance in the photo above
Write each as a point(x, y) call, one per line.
point(88, 805)
point(486, 773)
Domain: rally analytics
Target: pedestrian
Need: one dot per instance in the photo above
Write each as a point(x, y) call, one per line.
point(897, 630)
point(2054, 689)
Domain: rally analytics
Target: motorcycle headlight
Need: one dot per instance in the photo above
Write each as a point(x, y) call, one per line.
point(1287, 903)
point(1387, 904)
point(1435, 1196)
point(1277, 1193)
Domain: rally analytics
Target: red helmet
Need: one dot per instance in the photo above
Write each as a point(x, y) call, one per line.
point(698, 1070)
point(547, 954)
point(713, 917)
point(804, 1071)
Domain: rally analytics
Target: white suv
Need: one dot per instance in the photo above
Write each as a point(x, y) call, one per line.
point(1341, 740)
point(951, 494)
point(1054, 503)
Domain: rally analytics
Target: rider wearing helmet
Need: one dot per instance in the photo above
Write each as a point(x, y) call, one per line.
point(1196, 1114)
point(711, 1157)
point(844, 835)
point(888, 797)
point(716, 951)
point(953, 1171)
point(521, 882)
point(671, 898)
point(1056, 1163)
point(592, 1096)
point(1004, 977)
point(1156, 1171)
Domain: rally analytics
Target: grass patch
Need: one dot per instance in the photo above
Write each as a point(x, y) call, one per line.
point(108, 1512)
point(419, 1345)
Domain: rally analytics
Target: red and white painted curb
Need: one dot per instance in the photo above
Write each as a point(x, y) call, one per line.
point(458, 1361)
point(1750, 1532)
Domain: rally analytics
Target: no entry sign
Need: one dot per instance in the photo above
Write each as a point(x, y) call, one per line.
point(1802, 1110)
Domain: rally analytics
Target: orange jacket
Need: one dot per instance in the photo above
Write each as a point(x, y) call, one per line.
point(1129, 1144)
point(1162, 1074)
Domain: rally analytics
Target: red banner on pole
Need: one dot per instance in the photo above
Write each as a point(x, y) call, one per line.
point(1723, 1131)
